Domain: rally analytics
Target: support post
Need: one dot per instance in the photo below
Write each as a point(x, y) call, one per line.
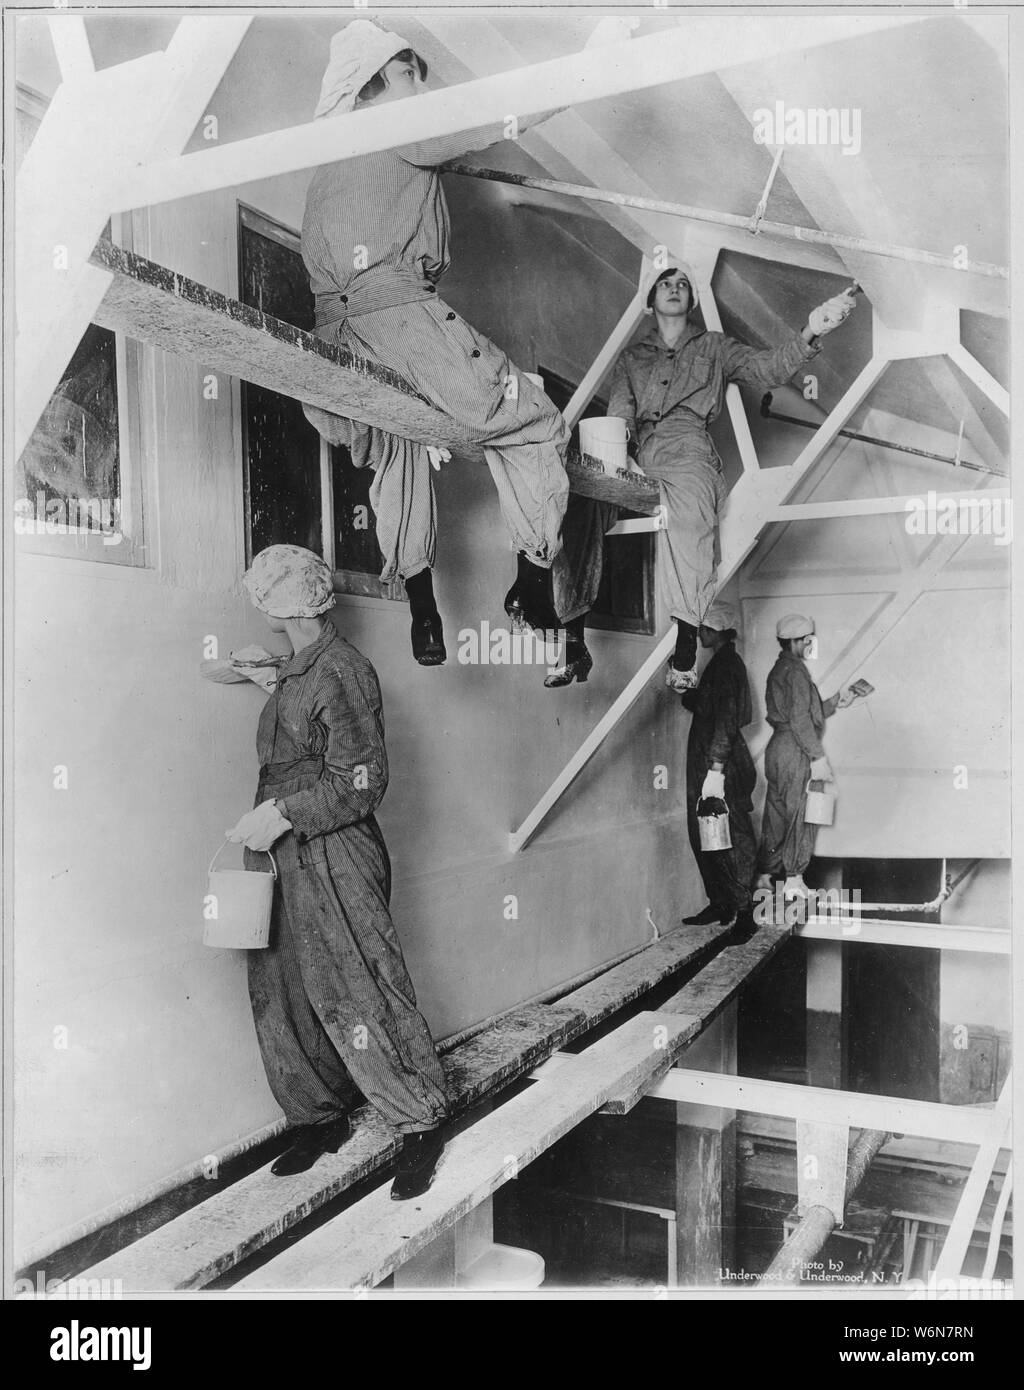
point(705, 1159)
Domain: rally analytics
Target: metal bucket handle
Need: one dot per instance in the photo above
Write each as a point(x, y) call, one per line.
point(220, 851)
point(702, 799)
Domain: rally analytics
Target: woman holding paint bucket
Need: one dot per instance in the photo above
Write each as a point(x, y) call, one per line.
point(334, 1007)
point(719, 765)
point(669, 387)
point(794, 757)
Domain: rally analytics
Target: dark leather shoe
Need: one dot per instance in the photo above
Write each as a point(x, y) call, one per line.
point(578, 668)
point(428, 640)
point(309, 1142)
point(708, 916)
point(514, 609)
point(416, 1164)
point(743, 928)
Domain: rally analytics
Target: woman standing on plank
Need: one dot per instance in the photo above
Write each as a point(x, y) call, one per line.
point(334, 1007)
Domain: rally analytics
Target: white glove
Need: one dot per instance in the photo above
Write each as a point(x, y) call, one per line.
point(714, 785)
point(845, 697)
point(438, 456)
point(259, 829)
point(831, 314)
point(821, 770)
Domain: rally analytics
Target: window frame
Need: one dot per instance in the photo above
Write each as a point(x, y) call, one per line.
point(74, 542)
point(348, 583)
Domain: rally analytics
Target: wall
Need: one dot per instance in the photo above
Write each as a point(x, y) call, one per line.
point(135, 1051)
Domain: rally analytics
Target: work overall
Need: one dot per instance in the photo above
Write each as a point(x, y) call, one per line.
point(797, 714)
point(669, 396)
point(334, 1007)
point(721, 708)
point(375, 242)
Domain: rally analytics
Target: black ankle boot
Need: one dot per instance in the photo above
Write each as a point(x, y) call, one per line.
point(532, 590)
point(578, 661)
point(427, 633)
point(308, 1143)
point(416, 1163)
point(684, 658)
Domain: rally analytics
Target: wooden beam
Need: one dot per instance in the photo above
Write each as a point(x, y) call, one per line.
point(713, 989)
point(210, 1239)
point(961, 1124)
point(370, 1240)
point(605, 71)
point(158, 306)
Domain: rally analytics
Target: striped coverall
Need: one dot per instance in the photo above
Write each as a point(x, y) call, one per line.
point(334, 1007)
point(668, 397)
point(375, 240)
point(797, 713)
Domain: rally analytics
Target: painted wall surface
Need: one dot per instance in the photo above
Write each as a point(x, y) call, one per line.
point(136, 1053)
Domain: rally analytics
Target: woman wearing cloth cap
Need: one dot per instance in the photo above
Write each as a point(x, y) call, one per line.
point(375, 240)
point(334, 1007)
point(718, 763)
point(794, 755)
point(669, 387)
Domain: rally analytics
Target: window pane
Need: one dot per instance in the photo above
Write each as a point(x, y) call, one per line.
point(70, 470)
point(282, 449)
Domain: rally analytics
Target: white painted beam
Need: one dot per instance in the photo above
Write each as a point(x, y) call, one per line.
point(636, 526)
point(961, 1124)
point(71, 45)
point(607, 71)
point(875, 932)
point(753, 496)
point(733, 399)
point(950, 1263)
point(518, 839)
point(609, 354)
point(983, 379)
point(878, 506)
point(65, 190)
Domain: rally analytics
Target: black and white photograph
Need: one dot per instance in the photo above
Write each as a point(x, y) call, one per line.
point(508, 659)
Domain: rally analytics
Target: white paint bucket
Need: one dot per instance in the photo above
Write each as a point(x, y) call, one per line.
point(503, 1267)
point(821, 806)
point(605, 437)
point(713, 828)
point(243, 900)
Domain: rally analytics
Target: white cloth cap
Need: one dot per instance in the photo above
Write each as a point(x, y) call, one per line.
point(286, 581)
point(720, 617)
point(794, 625)
point(358, 52)
point(676, 267)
